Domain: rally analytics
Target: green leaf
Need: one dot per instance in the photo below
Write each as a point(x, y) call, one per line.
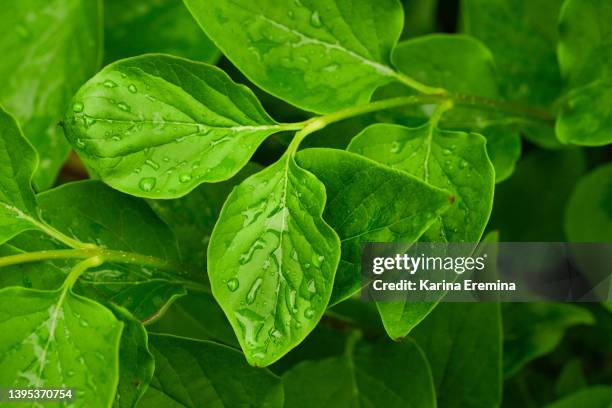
point(17, 203)
point(157, 126)
point(39, 275)
point(583, 33)
point(272, 259)
point(80, 210)
point(377, 374)
point(529, 206)
point(318, 55)
point(597, 396)
point(522, 35)
point(136, 364)
point(454, 161)
point(205, 374)
point(145, 26)
point(53, 46)
point(367, 203)
point(585, 112)
point(463, 344)
point(193, 217)
point(532, 330)
point(196, 315)
point(55, 339)
point(462, 65)
point(588, 217)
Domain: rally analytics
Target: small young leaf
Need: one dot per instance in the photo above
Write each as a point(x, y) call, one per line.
point(532, 330)
point(194, 374)
point(53, 339)
point(136, 364)
point(19, 160)
point(319, 55)
point(51, 48)
point(597, 396)
point(144, 26)
point(157, 126)
point(272, 259)
point(368, 202)
point(588, 217)
point(463, 344)
point(378, 374)
point(463, 65)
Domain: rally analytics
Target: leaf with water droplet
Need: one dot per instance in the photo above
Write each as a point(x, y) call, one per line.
point(183, 112)
point(471, 187)
point(51, 347)
point(269, 296)
point(18, 211)
point(236, 384)
point(287, 54)
point(463, 65)
point(56, 46)
point(367, 203)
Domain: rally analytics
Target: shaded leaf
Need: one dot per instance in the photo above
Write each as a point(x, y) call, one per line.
point(52, 48)
point(145, 26)
point(378, 374)
point(202, 373)
point(532, 330)
point(272, 259)
point(592, 397)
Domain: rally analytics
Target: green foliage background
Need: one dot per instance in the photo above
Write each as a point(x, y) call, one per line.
point(185, 188)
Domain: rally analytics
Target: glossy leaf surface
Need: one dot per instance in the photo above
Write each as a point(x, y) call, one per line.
point(158, 126)
point(272, 259)
point(318, 55)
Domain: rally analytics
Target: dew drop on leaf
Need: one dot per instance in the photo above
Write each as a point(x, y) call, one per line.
point(109, 84)
point(185, 177)
point(123, 106)
point(147, 184)
point(132, 88)
point(233, 284)
point(152, 164)
point(315, 20)
point(309, 313)
point(252, 295)
point(78, 107)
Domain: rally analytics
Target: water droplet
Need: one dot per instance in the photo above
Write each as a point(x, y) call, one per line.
point(395, 147)
point(152, 164)
point(309, 313)
point(132, 88)
point(463, 164)
point(109, 84)
point(185, 177)
point(83, 323)
point(78, 107)
point(253, 291)
point(147, 184)
point(446, 152)
point(80, 143)
point(123, 106)
point(233, 284)
point(116, 138)
point(315, 20)
point(311, 286)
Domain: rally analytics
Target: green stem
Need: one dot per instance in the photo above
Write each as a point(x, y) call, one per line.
point(78, 270)
point(59, 236)
point(105, 254)
point(418, 86)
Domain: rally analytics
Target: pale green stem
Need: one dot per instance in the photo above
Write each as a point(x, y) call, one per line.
point(61, 237)
point(418, 86)
point(106, 254)
point(78, 270)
